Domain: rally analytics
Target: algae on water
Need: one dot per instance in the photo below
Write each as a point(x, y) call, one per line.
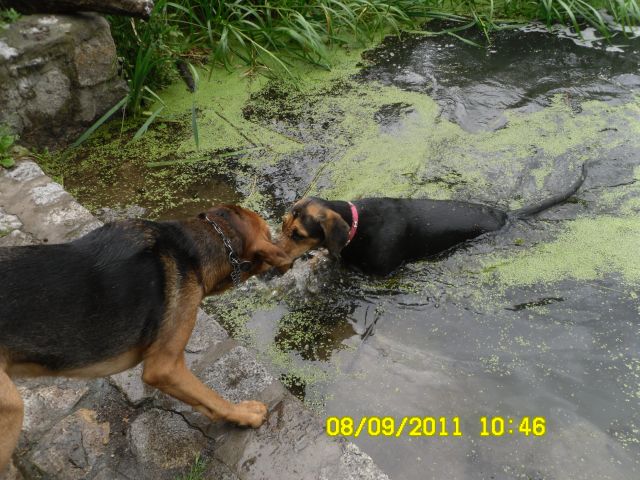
point(587, 249)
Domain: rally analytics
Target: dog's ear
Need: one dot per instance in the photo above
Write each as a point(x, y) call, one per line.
point(273, 255)
point(336, 232)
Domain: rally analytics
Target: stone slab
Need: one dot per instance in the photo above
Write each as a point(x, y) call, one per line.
point(59, 74)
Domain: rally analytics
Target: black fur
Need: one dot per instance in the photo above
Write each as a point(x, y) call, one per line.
point(394, 230)
point(70, 305)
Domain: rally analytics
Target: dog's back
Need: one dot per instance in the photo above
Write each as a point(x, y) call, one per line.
point(69, 305)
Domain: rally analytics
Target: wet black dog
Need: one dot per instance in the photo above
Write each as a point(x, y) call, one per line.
point(376, 235)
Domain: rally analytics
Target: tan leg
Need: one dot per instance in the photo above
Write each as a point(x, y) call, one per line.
point(11, 412)
point(166, 370)
point(174, 378)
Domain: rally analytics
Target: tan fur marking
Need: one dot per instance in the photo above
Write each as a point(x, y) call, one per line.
point(105, 368)
point(11, 413)
point(323, 216)
point(166, 370)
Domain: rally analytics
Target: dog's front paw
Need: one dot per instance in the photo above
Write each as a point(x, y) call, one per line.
point(249, 413)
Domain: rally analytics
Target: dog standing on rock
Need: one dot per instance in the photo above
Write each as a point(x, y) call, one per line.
point(126, 293)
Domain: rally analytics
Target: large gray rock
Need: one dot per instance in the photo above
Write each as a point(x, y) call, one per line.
point(237, 375)
point(71, 448)
point(291, 445)
point(46, 401)
point(163, 443)
point(46, 212)
point(58, 75)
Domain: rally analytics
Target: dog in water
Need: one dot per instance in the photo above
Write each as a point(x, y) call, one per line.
point(376, 235)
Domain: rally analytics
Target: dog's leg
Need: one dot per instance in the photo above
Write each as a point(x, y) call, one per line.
point(11, 412)
point(171, 376)
point(166, 370)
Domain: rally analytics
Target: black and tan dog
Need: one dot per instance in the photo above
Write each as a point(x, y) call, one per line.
point(125, 293)
point(376, 235)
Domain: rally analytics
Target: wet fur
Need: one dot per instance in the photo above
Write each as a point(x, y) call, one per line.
point(394, 230)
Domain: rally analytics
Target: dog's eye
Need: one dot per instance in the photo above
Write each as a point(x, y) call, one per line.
point(295, 213)
point(296, 236)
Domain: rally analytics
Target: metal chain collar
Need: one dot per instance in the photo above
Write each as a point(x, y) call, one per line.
point(238, 266)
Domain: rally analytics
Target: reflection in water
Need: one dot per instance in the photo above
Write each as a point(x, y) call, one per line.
point(521, 71)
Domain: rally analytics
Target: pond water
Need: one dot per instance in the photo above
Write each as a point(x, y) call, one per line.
point(539, 320)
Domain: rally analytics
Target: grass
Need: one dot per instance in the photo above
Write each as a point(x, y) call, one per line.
point(266, 36)
point(8, 16)
point(197, 470)
point(6, 143)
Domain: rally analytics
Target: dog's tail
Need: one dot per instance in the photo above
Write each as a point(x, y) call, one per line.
point(551, 201)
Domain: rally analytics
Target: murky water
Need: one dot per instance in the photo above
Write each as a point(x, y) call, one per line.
point(440, 338)
point(539, 320)
point(521, 71)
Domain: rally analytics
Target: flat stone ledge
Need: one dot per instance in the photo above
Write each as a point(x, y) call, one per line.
point(46, 211)
point(237, 375)
point(292, 445)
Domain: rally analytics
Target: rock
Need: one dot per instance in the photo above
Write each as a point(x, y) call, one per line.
point(11, 473)
point(59, 74)
point(206, 333)
point(162, 440)
point(289, 446)
point(107, 214)
point(24, 171)
point(236, 376)
point(71, 448)
point(47, 212)
point(219, 471)
point(47, 401)
point(8, 222)
point(16, 238)
point(354, 465)
point(134, 8)
point(131, 385)
point(108, 474)
point(47, 194)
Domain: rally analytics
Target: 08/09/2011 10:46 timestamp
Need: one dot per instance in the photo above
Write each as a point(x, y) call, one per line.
point(415, 426)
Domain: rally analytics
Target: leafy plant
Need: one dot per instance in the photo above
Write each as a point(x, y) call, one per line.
point(6, 142)
point(197, 470)
point(8, 16)
point(267, 35)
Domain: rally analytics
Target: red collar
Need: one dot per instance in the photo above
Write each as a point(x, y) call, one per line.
point(354, 223)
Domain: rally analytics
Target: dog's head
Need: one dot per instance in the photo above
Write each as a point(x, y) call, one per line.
point(311, 224)
point(256, 238)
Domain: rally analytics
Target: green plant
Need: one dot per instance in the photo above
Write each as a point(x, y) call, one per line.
point(8, 16)
point(268, 35)
point(7, 139)
point(197, 470)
